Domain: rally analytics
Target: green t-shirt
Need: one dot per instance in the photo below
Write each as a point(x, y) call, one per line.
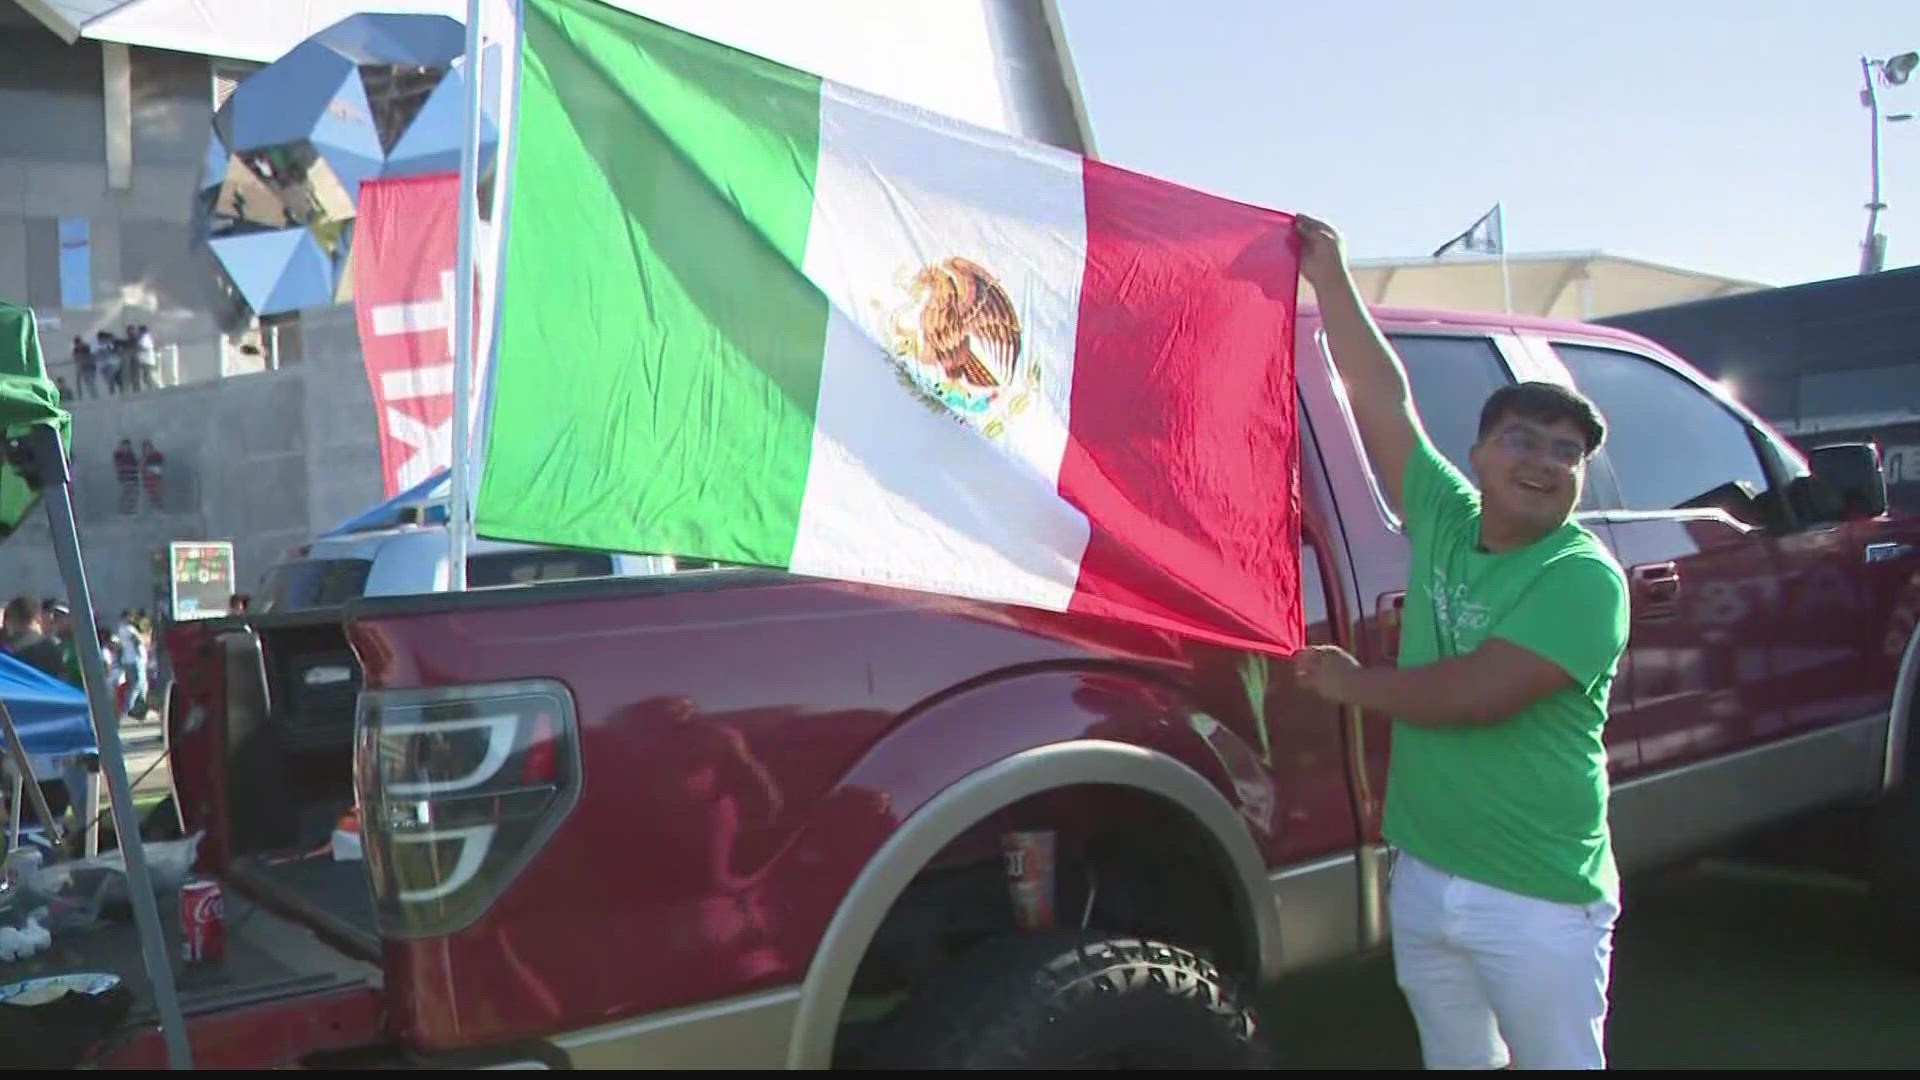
point(70, 660)
point(1520, 804)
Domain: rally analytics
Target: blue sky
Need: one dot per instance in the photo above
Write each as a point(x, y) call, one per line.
point(1716, 135)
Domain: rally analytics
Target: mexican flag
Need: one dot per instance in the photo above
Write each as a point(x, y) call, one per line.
point(750, 315)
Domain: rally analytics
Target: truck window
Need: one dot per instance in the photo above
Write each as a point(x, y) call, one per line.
point(1671, 444)
point(525, 567)
point(313, 583)
point(1313, 595)
point(1451, 377)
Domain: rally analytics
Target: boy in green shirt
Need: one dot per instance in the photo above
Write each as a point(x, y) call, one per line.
point(1504, 891)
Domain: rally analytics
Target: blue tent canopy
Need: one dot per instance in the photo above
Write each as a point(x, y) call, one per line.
point(427, 500)
point(50, 715)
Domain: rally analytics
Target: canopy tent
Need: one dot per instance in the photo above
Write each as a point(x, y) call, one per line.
point(424, 503)
point(27, 398)
point(33, 469)
point(51, 719)
point(50, 715)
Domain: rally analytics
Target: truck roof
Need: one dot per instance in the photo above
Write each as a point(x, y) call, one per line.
point(1489, 319)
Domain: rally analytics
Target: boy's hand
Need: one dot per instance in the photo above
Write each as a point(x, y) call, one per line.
point(1325, 671)
point(1323, 258)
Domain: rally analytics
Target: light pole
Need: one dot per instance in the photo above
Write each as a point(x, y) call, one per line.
point(1894, 71)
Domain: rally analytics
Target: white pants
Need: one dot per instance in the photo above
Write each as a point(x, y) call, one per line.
point(1494, 978)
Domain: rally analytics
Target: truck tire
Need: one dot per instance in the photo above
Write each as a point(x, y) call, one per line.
point(1894, 876)
point(1074, 1001)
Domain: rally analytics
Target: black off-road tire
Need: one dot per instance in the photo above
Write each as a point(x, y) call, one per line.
point(1894, 875)
point(1074, 1001)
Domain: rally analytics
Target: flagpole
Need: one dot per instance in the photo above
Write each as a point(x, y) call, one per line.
point(1506, 282)
point(459, 512)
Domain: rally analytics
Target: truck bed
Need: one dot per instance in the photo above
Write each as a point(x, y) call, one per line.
point(328, 895)
point(268, 958)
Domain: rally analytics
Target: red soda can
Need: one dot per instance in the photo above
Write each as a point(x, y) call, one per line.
point(1029, 858)
point(203, 921)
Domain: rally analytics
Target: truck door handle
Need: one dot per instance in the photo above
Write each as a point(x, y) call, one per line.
point(1390, 613)
point(1659, 583)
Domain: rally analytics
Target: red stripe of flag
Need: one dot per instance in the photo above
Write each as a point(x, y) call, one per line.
point(1194, 502)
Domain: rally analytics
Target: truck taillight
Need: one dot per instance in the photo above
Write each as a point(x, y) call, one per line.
point(458, 787)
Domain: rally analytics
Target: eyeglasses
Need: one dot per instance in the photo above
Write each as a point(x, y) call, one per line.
point(1519, 439)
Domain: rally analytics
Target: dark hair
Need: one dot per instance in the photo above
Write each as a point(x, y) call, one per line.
point(1544, 403)
point(22, 609)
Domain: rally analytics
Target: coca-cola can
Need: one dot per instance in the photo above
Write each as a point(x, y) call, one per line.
point(203, 921)
point(1029, 858)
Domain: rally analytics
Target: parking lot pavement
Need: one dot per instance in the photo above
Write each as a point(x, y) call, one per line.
point(1724, 965)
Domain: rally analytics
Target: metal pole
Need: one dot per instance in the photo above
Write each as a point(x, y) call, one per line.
point(26, 783)
point(1506, 282)
point(56, 489)
point(13, 808)
point(1870, 257)
point(459, 513)
point(91, 806)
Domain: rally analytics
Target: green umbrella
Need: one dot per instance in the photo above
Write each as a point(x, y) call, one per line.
point(27, 397)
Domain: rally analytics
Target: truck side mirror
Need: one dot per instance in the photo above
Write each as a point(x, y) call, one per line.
point(1852, 472)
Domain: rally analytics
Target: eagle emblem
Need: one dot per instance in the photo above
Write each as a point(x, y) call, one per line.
point(957, 343)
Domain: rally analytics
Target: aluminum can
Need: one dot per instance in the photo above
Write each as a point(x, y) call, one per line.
point(1030, 874)
point(203, 921)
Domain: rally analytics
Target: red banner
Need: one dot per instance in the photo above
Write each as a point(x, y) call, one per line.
point(404, 247)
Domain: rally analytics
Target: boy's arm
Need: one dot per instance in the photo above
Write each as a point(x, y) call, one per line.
point(1485, 686)
point(1568, 631)
point(1375, 379)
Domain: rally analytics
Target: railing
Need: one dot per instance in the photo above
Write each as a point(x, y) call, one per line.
point(208, 360)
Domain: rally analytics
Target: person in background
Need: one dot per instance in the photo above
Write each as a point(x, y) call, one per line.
point(60, 624)
point(50, 621)
point(30, 633)
point(131, 650)
point(106, 359)
point(153, 466)
point(85, 369)
point(130, 357)
point(110, 659)
point(144, 623)
point(25, 636)
point(148, 355)
point(126, 470)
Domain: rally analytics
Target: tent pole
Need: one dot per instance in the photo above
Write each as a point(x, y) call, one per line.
point(13, 811)
point(24, 778)
point(56, 487)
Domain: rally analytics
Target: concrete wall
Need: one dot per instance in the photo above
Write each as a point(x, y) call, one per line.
point(263, 460)
point(146, 265)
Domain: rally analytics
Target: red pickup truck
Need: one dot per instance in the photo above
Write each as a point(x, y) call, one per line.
point(736, 818)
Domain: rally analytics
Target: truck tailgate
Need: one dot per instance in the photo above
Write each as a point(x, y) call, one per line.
point(301, 994)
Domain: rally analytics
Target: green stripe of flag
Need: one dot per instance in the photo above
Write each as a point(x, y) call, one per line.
point(661, 194)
